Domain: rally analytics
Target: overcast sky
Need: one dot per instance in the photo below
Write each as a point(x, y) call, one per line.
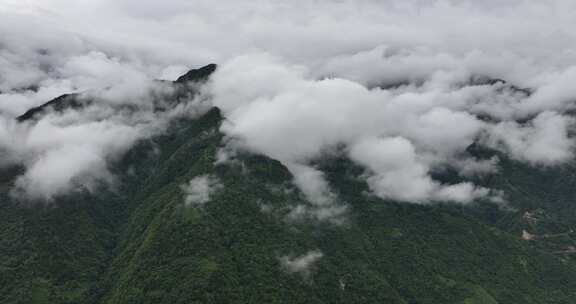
point(395, 82)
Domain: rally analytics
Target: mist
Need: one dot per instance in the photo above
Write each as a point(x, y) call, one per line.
point(401, 88)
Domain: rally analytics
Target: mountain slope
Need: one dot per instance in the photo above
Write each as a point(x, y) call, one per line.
point(230, 250)
point(143, 243)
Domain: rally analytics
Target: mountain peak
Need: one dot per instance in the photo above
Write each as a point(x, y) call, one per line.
point(197, 75)
point(71, 100)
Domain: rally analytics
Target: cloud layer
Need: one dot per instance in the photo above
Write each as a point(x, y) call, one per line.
point(200, 189)
point(402, 88)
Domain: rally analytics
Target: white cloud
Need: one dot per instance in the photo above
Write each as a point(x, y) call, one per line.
point(324, 204)
point(200, 189)
point(301, 264)
point(397, 172)
point(72, 150)
point(61, 155)
point(62, 170)
point(542, 141)
point(299, 118)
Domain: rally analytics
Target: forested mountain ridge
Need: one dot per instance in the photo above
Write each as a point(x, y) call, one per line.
point(147, 242)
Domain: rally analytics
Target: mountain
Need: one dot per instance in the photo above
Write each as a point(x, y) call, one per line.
point(75, 101)
point(145, 242)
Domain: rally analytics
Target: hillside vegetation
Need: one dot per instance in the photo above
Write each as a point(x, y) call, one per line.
point(142, 243)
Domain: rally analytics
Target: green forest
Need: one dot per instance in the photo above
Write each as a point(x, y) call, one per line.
point(142, 243)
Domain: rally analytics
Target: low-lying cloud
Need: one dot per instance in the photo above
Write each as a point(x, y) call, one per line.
point(72, 150)
point(302, 265)
point(199, 190)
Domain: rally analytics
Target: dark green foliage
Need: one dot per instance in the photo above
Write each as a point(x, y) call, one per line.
point(55, 254)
